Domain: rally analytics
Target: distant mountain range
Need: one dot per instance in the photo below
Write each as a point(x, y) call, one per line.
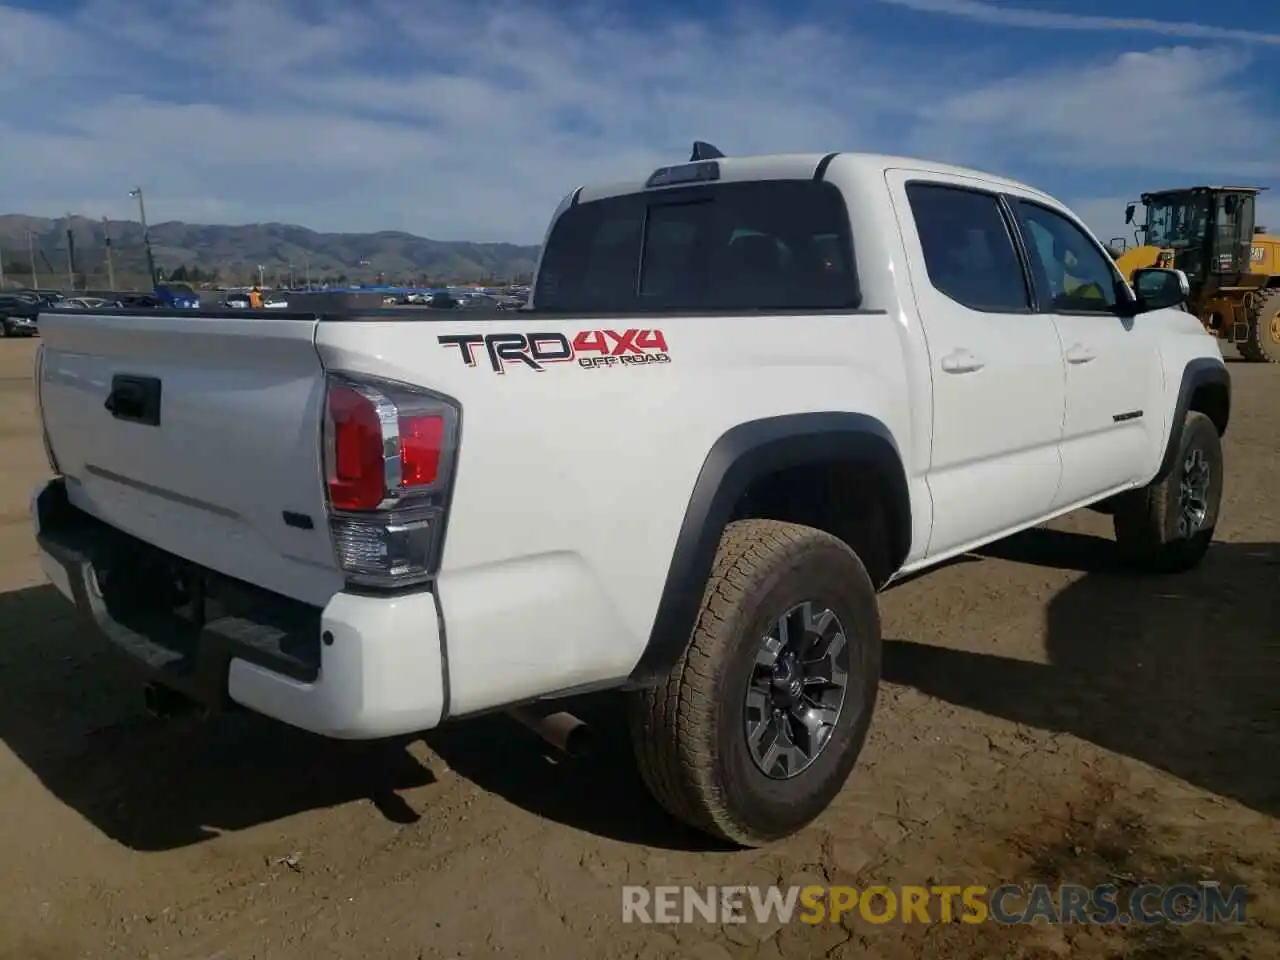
point(235, 253)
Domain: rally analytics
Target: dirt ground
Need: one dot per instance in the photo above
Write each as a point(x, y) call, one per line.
point(1044, 718)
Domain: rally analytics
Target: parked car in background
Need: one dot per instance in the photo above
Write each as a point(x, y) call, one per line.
point(444, 301)
point(18, 313)
point(81, 303)
point(138, 301)
point(179, 295)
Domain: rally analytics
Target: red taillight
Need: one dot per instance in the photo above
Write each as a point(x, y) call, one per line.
point(380, 445)
point(388, 461)
point(421, 443)
point(357, 472)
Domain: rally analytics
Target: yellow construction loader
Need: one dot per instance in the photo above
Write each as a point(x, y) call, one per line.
point(1233, 265)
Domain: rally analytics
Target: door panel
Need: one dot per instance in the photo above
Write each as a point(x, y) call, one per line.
point(1112, 365)
point(997, 367)
point(1108, 430)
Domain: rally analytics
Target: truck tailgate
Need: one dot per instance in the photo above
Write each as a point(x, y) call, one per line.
point(210, 448)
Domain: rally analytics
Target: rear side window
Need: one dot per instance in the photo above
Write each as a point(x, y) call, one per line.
point(968, 249)
point(759, 245)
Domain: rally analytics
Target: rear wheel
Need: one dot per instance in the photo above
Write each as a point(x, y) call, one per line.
point(1262, 342)
point(756, 729)
point(1167, 526)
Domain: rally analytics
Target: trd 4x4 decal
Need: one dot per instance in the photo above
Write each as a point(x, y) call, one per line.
point(590, 348)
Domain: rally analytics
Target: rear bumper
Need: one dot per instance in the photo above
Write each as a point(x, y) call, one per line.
point(360, 668)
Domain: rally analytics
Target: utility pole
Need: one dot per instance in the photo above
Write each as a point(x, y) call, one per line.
point(111, 267)
point(31, 252)
point(261, 279)
point(136, 192)
point(306, 266)
point(1, 268)
point(71, 256)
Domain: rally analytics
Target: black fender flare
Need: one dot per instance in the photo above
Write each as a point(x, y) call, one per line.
point(1198, 373)
point(744, 454)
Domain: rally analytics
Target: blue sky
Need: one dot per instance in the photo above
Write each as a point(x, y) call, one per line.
point(469, 120)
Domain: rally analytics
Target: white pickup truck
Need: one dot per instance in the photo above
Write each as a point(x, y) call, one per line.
point(747, 394)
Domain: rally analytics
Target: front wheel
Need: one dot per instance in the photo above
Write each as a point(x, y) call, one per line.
point(1167, 526)
point(758, 726)
point(1262, 340)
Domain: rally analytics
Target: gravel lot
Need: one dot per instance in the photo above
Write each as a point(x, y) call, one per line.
point(1045, 718)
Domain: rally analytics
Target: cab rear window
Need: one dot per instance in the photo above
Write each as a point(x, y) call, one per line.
point(780, 245)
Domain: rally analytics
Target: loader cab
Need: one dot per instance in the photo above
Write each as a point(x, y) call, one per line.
point(1208, 229)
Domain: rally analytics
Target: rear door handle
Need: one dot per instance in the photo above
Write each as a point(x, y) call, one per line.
point(961, 361)
point(1080, 354)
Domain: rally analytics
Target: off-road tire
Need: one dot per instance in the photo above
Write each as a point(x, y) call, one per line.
point(688, 732)
point(1262, 341)
point(1146, 520)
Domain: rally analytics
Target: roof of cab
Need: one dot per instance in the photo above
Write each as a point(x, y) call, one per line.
point(802, 166)
point(1202, 189)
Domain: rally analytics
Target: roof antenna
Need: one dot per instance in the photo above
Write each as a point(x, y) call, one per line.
point(704, 151)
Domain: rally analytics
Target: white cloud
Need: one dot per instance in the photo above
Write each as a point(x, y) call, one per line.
point(1132, 113)
point(472, 121)
point(1008, 16)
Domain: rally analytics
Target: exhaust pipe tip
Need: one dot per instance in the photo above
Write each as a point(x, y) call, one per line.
point(562, 730)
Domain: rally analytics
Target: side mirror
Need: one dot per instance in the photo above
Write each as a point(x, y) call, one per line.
point(1128, 213)
point(1158, 289)
point(1120, 243)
